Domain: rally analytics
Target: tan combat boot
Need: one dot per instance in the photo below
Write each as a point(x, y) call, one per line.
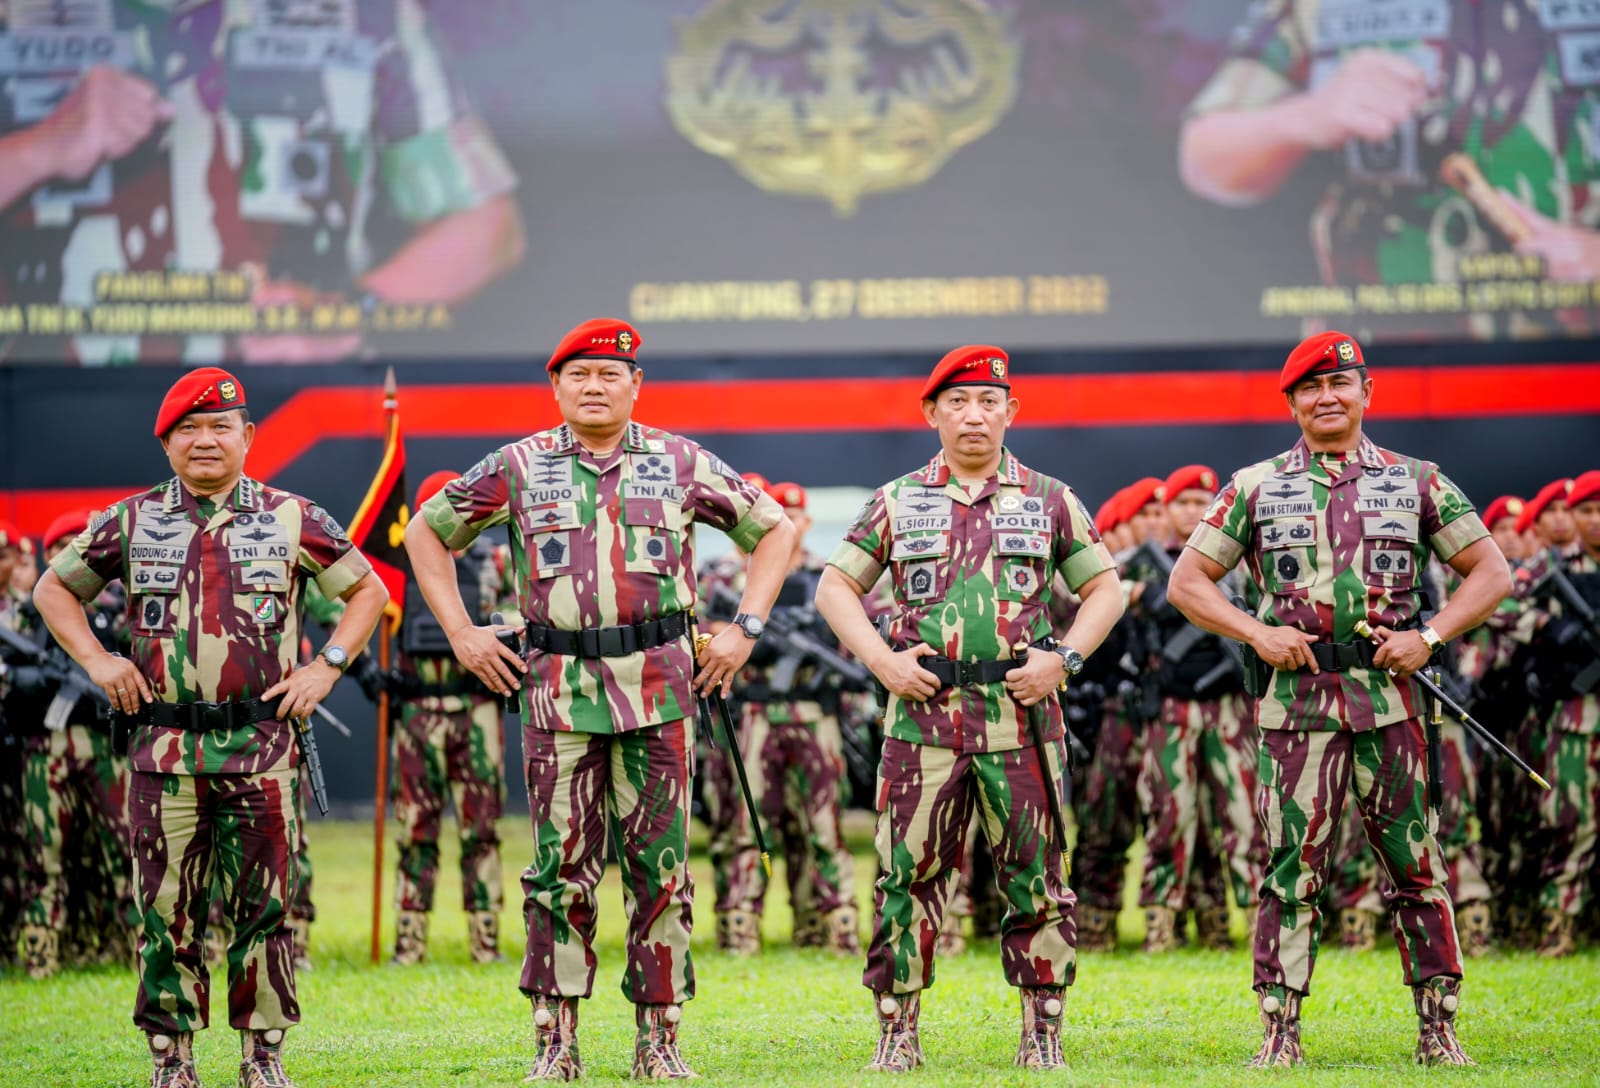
point(1097, 929)
point(1160, 929)
point(739, 932)
point(1437, 1000)
point(219, 935)
point(410, 938)
point(483, 937)
point(899, 1050)
point(1557, 937)
point(951, 941)
point(263, 1059)
point(1211, 928)
point(1280, 1017)
point(41, 951)
point(555, 1025)
point(655, 1051)
point(1041, 1029)
point(174, 1060)
point(842, 927)
point(810, 931)
point(1475, 929)
point(1358, 929)
point(302, 942)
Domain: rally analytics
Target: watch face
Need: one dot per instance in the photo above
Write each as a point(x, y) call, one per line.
point(335, 656)
point(752, 626)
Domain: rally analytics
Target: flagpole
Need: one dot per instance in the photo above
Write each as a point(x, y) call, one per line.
point(391, 410)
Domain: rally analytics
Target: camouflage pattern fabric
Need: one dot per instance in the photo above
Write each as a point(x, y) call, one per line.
point(1516, 93)
point(311, 148)
point(1106, 810)
point(1307, 777)
point(926, 796)
point(14, 854)
point(714, 780)
point(1199, 754)
point(641, 778)
point(449, 747)
point(240, 828)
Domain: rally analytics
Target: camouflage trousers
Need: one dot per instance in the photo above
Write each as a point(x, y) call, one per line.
point(1306, 780)
point(449, 747)
point(240, 829)
point(301, 905)
point(1106, 811)
point(1513, 845)
point(926, 796)
point(795, 769)
point(1198, 779)
point(76, 793)
point(13, 845)
point(1357, 883)
point(1570, 809)
point(636, 786)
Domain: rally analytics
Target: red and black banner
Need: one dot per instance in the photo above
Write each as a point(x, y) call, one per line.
point(379, 525)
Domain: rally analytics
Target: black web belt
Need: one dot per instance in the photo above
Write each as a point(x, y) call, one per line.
point(1343, 656)
point(629, 638)
point(966, 674)
point(201, 717)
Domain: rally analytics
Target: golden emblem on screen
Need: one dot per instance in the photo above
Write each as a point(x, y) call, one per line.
point(839, 99)
point(1347, 352)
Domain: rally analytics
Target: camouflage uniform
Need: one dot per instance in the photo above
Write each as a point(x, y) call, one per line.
point(289, 118)
point(597, 543)
point(1515, 89)
point(1333, 539)
point(451, 743)
point(215, 595)
point(13, 851)
point(973, 570)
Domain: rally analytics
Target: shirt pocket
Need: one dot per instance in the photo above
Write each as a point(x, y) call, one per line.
point(654, 530)
point(154, 615)
point(263, 611)
point(548, 532)
point(921, 566)
point(1020, 564)
point(1390, 564)
point(1288, 554)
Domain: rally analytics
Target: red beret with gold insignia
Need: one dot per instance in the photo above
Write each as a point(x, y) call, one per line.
point(1189, 478)
point(1506, 506)
point(66, 527)
point(208, 389)
point(432, 486)
point(1549, 493)
point(1140, 492)
point(1585, 488)
point(1102, 516)
point(790, 496)
point(756, 478)
point(9, 537)
point(1323, 353)
point(600, 338)
point(975, 364)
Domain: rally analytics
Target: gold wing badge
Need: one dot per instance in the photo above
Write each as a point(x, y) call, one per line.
point(840, 98)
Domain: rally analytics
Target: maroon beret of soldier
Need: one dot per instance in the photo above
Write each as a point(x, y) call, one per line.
point(790, 496)
point(1323, 353)
point(209, 389)
point(597, 338)
point(1189, 478)
point(1549, 493)
point(974, 364)
point(1506, 506)
point(66, 527)
point(1585, 488)
point(1144, 490)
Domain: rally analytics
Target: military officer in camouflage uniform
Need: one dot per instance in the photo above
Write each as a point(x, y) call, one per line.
point(216, 566)
point(451, 743)
point(1462, 128)
point(973, 543)
point(253, 136)
point(1335, 532)
point(600, 510)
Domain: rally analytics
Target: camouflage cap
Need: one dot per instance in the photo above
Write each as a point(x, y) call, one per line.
point(1585, 488)
point(599, 338)
point(209, 389)
point(974, 364)
point(1323, 353)
point(1549, 493)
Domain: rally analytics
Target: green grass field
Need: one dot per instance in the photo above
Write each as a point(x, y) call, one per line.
point(802, 1018)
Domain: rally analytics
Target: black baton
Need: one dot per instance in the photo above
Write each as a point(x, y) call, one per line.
point(1052, 793)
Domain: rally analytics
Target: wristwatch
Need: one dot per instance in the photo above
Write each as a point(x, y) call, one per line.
point(752, 626)
point(1071, 659)
point(335, 656)
point(1431, 639)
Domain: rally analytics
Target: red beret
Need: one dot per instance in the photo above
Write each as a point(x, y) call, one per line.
point(1506, 506)
point(1585, 488)
point(756, 478)
point(601, 338)
point(975, 364)
point(430, 487)
point(66, 527)
point(1189, 478)
point(790, 496)
point(1549, 493)
point(1139, 493)
point(1102, 517)
point(208, 389)
point(1323, 353)
point(9, 537)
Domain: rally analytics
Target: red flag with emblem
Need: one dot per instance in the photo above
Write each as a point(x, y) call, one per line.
point(379, 525)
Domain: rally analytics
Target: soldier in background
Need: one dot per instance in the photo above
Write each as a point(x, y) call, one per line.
point(216, 565)
point(973, 543)
point(13, 855)
point(450, 744)
point(1335, 722)
point(601, 509)
point(1546, 521)
point(257, 138)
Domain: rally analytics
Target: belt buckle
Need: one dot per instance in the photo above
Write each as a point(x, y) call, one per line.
point(967, 673)
point(212, 715)
point(609, 642)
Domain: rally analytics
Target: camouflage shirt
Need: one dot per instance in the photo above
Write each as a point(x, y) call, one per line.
point(601, 542)
point(1520, 96)
point(1331, 539)
point(290, 118)
point(973, 571)
point(214, 607)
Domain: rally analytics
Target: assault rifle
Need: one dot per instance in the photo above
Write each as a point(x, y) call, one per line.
point(1155, 604)
point(32, 668)
point(793, 640)
point(1585, 626)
